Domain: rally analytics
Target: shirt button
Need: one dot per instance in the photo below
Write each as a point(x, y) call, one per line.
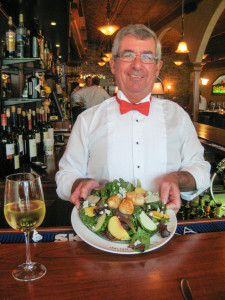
point(137, 143)
point(138, 167)
point(136, 120)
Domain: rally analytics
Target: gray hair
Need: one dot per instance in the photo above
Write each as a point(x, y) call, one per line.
point(139, 31)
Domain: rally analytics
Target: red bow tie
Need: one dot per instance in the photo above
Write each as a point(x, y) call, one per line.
point(127, 106)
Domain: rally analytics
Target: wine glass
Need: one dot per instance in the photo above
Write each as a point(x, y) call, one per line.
point(24, 210)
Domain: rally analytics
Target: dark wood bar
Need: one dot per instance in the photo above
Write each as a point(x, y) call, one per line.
point(76, 270)
point(210, 133)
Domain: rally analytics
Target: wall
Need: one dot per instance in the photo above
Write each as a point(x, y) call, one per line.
point(206, 90)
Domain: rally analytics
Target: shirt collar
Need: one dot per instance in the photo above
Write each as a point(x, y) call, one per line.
point(121, 96)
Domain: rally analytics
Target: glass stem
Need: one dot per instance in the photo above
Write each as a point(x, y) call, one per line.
point(28, 257)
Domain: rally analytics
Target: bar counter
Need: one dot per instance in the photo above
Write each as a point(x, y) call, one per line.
point(76, 270)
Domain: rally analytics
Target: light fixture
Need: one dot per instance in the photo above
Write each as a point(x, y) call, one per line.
point(204, 56)
point(178, 63)
point(53, 23)
point(57, 45)
point(158, 87)
point(108, 29)
point(106, 59)
point(182, 47)
point(168, 87)
point(101, 63)
point(108, 54)
point(204, 81)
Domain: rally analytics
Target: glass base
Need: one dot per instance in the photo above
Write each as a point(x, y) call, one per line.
point(31, 272)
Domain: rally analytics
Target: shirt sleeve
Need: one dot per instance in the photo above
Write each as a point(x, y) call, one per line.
point(193, 160)
point(75, 97)
point(73, 164)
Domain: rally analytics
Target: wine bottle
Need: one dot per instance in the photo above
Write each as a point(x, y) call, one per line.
point(24, 130)
point(10, 40)
point(21, 32)
point(37, 132)
point(15, 138)
point(20, 133)
point(44, 130)
point(7, 145)
point(30, 140)
point(33, 92)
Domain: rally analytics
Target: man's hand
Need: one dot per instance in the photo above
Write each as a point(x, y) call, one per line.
point(170, 186)
point(169, 192)
point(81, 188)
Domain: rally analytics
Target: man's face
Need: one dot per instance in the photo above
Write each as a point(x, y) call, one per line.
point(88, 81)
point(135, 79)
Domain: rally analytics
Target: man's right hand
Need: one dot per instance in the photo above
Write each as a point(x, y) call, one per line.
point(81, 188)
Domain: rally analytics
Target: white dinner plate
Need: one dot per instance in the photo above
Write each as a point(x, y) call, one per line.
point(98, 242)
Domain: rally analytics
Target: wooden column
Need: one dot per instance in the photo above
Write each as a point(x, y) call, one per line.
point(194, 93)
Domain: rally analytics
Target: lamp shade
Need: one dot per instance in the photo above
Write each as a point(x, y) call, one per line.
point(106, 58)
point(101, 63)
point(178, 63)
point(204, 81)
point(108, 29)
point(157, 89)
point(182, 48)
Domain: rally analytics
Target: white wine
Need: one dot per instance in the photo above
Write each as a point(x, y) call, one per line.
point(24, 216)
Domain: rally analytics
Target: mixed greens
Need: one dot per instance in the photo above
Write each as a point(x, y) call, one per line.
point(120, 212)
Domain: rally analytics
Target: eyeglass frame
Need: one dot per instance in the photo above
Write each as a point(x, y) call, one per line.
point(155, 58)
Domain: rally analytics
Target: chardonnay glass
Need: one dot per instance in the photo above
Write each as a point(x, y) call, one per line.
point(24, 210)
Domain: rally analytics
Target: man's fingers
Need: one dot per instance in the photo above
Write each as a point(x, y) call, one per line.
point(173, 206)
point(83, 187)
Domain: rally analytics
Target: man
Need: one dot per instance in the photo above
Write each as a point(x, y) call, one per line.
point(202, 102)
point(91, 95)
point(88, 81)
point(159, 147)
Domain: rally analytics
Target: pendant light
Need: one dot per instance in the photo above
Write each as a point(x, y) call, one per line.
point(178, 63)
point(182, 47)
point(108, 29)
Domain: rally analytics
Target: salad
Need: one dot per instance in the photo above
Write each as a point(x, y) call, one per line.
point(120, 212)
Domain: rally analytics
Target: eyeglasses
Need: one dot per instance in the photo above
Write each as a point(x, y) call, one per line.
point(146, 58)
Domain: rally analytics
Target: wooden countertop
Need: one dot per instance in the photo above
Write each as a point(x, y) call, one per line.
point(76, 270)
point(210, 133)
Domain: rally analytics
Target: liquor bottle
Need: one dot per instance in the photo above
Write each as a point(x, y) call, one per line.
point(50, 127)
point(28, 44)
point(10, 40)
point(46, 54)
point(180, 214)
point(20, 133)
point(30, 140)
point(33, 92)
point(207, 209)
point(41, 47)
point(21, 32)
point(35, 51)
point(44, 130)
point(37, 132)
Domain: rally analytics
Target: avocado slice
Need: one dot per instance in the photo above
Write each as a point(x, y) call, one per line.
point(100, 223)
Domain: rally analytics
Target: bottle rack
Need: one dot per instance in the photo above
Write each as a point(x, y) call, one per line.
point(20, 71)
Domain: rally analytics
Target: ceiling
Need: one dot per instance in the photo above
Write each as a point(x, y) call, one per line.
point(77, 22)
